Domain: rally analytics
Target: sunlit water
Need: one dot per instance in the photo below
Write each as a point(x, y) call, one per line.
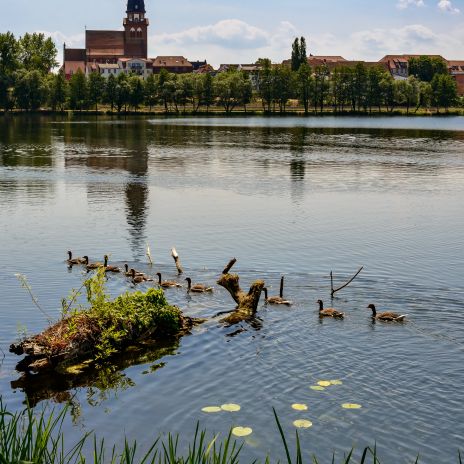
point(292, 196)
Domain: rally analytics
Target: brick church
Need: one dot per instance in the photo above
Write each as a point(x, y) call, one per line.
point(112, 52)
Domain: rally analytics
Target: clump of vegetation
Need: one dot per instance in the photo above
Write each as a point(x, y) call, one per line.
point(103, 328)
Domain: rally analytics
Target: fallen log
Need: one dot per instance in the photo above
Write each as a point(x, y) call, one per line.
point(176, 258)
point(247, 303)
point(103, 331)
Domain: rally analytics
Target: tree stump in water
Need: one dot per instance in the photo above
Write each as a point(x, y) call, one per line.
point(247, 303)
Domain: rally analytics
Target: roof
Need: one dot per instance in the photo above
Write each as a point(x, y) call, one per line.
point(104, 42)
point(407, 57)
point(107, 66)
point(135, 6)
point(171, 61)
point(327, 58)
point(74, 54)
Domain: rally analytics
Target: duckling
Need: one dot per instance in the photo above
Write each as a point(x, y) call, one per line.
point(197, 288)
point(275, 300)
point(329, 312)
point(113, 269)
point(91, 266)
point(137, 279)
point(166, 283)
point(386, 317)
point(74, 261)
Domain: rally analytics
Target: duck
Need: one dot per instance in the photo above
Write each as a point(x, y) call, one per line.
point(387, 316)
point(275, 300)
point(166, 283)
point(197, 288)
point(113, 269)
point(91, 266)
point(329, 312)
point(74, 261)
point(137, 279)
point(128, 272)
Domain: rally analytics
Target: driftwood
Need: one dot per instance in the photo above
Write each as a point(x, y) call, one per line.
point(247, 303)
point(229, 266)
point(175, 255)
point(335, 290)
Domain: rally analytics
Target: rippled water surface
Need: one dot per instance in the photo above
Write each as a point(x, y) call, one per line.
point(295, 197)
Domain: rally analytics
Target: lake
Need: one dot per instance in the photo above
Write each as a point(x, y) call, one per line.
point(293, 196)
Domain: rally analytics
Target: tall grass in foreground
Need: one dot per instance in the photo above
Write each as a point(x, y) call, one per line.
point(26, 438)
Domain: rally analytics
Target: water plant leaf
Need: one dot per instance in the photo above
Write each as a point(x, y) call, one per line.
point(242, 431)
point(351, 406)
point(211, 409)
point(324, 383)
point(300, 407)
point(317, 388)
point(336, 382)
point(303, 424)
point(231, 407)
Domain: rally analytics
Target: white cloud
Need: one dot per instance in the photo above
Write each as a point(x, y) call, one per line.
point(447, 6)
point(403, 4)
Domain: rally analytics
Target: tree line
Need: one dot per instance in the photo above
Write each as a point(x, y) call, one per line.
point(28, 83)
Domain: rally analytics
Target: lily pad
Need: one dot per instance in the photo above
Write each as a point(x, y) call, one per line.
point(303, 424)
point(212, 409)
point(300, 407)
point(231, 407)
point(242, 431)
point(317, 388)
point(324, 383)
point(351, 406)
point(336, 382)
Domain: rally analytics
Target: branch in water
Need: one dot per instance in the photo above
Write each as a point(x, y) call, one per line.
point(345, 285)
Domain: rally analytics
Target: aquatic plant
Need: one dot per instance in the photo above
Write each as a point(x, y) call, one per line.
point(29, 438)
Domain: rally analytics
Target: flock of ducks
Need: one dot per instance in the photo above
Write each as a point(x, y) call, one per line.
point(138, 277)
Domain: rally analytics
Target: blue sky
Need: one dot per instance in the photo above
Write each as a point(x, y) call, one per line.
point(244, 30)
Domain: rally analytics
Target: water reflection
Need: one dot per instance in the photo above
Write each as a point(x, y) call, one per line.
point(101, 382)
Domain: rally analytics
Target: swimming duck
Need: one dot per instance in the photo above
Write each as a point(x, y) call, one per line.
point(74, 261)
point(114, 269)
point(329, 312)
point(128, 272)
point(197, 288)
point(386, 317)
point(166, 283)
point(91, 266)
point(275, 300)
point(137, 279)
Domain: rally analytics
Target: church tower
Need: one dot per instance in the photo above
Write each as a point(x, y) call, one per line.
point(136, 30)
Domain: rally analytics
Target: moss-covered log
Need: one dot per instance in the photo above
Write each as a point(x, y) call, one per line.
point(247, 303)
point(102, 331)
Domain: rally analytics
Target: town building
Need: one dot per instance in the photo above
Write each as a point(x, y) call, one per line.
point(172, 64)
point(456, 69)
point(113, 47)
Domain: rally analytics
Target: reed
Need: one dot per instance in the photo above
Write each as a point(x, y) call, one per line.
point(29, 438)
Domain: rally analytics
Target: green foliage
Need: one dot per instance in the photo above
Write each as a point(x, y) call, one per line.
point(36, 52)
point(96, 88)
point(444, 91)
point(9, 54)
point(58, 91)
point(111, 91)
point(137, 92)
point(30, 91)
point(425, 68)
point(78, 91)
point(299, 53)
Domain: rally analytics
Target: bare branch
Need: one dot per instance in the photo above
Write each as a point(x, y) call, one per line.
point(345, 285)
point(229, 266)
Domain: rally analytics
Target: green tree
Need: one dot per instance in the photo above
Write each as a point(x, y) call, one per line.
point(36, 52)
point(96, 89)
point(359, 87)
point(30, 90)
point(303, 51)
point(208, 90)
point(284, 84)
point(78, 91)
point(150, 91)
point(387, 86)
point(425, 95)
point(230, 89)
point(296, 55)
point(9, 56)
point(137, 92)
point(122, 92)
point(58, 91)
point(444, 91)
point(165, 88)
point(425, 67)
point(111, 91)
point(266, 84)
point(374, 89)
point(321, 87)
point(304, 85)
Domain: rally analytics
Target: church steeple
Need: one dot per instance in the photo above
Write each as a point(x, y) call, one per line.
point(136, 6)
point(136, 30)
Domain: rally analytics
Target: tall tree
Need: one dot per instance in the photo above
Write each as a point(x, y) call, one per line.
point(444, 91)
point(78, 91)
point(304, 84)
point(266, 84)
point(111, 91)
point(58, 91)
point(36, 52)
point(425, 67)
point(122, 92)
point(150, 91)
point(9, 55)
point(137, 92)
point(303, 51)
point(208, 91)
point(30, 90)
point(96, 88)
point(296, 55)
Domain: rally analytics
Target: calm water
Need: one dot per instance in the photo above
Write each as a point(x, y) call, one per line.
point(292, 196)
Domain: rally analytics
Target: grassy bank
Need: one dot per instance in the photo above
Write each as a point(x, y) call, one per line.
point(29, 438)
